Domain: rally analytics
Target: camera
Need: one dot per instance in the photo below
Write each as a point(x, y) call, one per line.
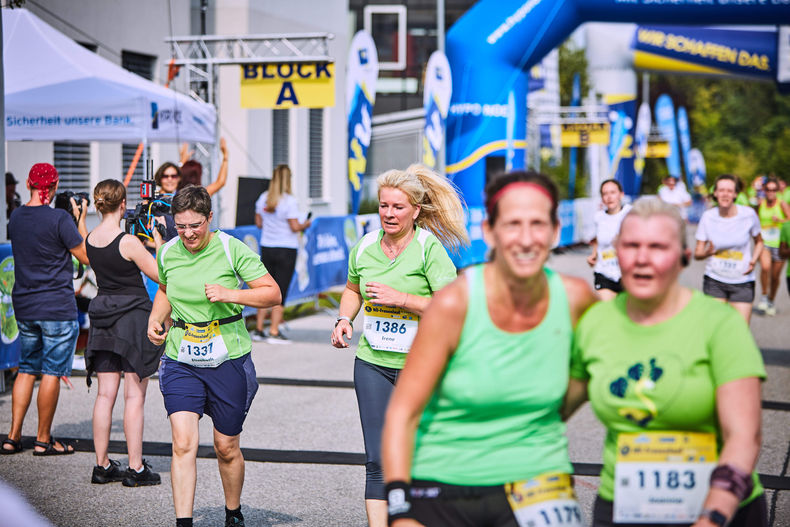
point(140, 220)
point(63, 201)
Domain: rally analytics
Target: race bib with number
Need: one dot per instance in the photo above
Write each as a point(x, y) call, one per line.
point(547, 500)
point(662, 477)
point(202, 346)
point(728, 264)
point(389, 328)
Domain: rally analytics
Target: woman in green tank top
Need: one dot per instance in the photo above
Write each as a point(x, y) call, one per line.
point(474, 419)
point(772, 212)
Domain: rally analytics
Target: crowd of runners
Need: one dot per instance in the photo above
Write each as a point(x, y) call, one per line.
point(463, 380)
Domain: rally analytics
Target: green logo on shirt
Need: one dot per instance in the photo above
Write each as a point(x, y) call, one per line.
point(642, 381)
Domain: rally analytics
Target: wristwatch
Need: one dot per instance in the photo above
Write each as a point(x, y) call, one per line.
point(347, 319)
point(715, 516)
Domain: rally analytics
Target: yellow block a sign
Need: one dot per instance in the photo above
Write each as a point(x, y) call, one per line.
point(288, 85)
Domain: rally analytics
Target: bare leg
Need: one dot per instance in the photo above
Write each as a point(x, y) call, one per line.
point(776, 275)
point(231, 467)
point(133, 417)
point(102, 414)
point(605, 294)
point(20, 402)
point(745, 309)
point(183, 467)
point(277, 318)
point(260, 317)
point(765, 271)
point(47, 403)
point(377, 513)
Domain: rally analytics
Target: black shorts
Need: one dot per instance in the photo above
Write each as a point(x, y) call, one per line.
point(755, 514)
point(280, 262)
point(602, 282)
point(109, 362)
point(439, 505)
point(743, 292)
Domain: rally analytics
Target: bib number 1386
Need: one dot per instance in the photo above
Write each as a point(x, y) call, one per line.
point(390, 327)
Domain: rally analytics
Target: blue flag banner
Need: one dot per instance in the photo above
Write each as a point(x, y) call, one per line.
point(665, 119)
point(622, 113)
point(9, 338)
point(685, 144)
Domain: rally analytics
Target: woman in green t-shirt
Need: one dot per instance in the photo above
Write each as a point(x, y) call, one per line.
point(473, 431)
point(674, 376)
point(392, 273)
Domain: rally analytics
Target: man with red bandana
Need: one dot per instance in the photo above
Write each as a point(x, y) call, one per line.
point(43, 240)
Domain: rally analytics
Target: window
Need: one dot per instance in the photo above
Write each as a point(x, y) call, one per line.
point(387, 25)
point(73, 161)
point(142, 65)
point(280, 131)
point(316, 125)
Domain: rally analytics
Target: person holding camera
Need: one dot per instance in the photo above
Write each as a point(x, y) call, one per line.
point(43, 241)
point(277, 215)
point(117, 340)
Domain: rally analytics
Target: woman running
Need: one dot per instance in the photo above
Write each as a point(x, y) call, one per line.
point(772, 212)
point(674, 376)
point(473, 432)
point(393, 272)
point(116, 341)
point(724, 238)
point(603, 259)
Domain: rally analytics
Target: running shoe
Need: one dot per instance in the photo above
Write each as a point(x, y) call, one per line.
point(762, 305)
point(279, 338)
point(144, 478)
point(110, 474)
point(258, 336)
point(770, 310)
point(234, 521)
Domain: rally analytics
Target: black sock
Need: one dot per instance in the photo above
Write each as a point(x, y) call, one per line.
point(183, 522)
point(235, 513)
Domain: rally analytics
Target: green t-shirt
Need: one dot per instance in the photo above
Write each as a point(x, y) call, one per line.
point(660, 377)
point(421, 269)
point(742, 199)
point(186, 274)
point(494, 417)
point(784, 236)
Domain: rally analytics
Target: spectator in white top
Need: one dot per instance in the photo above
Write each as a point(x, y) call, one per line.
point(674, 192)
point(277, 215)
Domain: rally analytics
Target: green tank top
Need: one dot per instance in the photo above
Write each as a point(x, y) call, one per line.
point(770, 229)
point(494, 415)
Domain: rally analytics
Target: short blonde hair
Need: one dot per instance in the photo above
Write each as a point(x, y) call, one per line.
point(441, 208)
point(646, 208)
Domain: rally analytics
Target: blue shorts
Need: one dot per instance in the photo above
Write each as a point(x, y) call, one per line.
point(224, 393)
point(47, 346)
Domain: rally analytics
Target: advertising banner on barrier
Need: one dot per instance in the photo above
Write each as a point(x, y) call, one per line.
point(665, 119)
point(363, 71)
point(288, 85)
point(9, 333)
point(436, 101)
point(711, 51)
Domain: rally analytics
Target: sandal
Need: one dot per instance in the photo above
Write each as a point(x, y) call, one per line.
point(16, 446)
point(50, 450)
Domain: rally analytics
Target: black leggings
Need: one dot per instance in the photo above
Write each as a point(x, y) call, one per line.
point(755, 514)
point(280, 262)
point(373, 385)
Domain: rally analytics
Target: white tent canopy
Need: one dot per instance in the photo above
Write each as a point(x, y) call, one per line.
point(56, 90)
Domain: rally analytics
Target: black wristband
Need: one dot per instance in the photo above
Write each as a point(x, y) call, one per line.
point(398, 501)
point(729, 478)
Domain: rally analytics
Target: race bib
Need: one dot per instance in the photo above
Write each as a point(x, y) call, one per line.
point(771, 234)
point(728, 264)
point(609, 260)
point(662, 477)
point(389, 328)
point(547, 500)
point(202, 346)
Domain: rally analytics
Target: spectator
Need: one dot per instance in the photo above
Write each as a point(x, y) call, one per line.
point(192, 171)
point(12, 199)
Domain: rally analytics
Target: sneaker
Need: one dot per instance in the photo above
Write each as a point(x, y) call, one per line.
point(770, 310)
point(279, 338)
point(258, 336)
point(233, 521)
point(762, 305)
point(113, 473)
point(141, 479)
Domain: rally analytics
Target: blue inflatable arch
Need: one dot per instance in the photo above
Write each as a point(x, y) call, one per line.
point(492, 47)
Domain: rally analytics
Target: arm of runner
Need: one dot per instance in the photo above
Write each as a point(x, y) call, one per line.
point(133, 249)
point(738, 410)
point(387, 296)
point(160, 312)
point(437, 337)
point(703, 250)
point(263, 292)
point(758, 249)
point(574, 397)
point(350, 302)
point(594, 255)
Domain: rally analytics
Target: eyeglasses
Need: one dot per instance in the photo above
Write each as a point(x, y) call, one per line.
point(191, 226)
point(771, 189)
point(170, 176)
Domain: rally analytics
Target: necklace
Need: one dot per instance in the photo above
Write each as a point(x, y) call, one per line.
point(393, 252)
